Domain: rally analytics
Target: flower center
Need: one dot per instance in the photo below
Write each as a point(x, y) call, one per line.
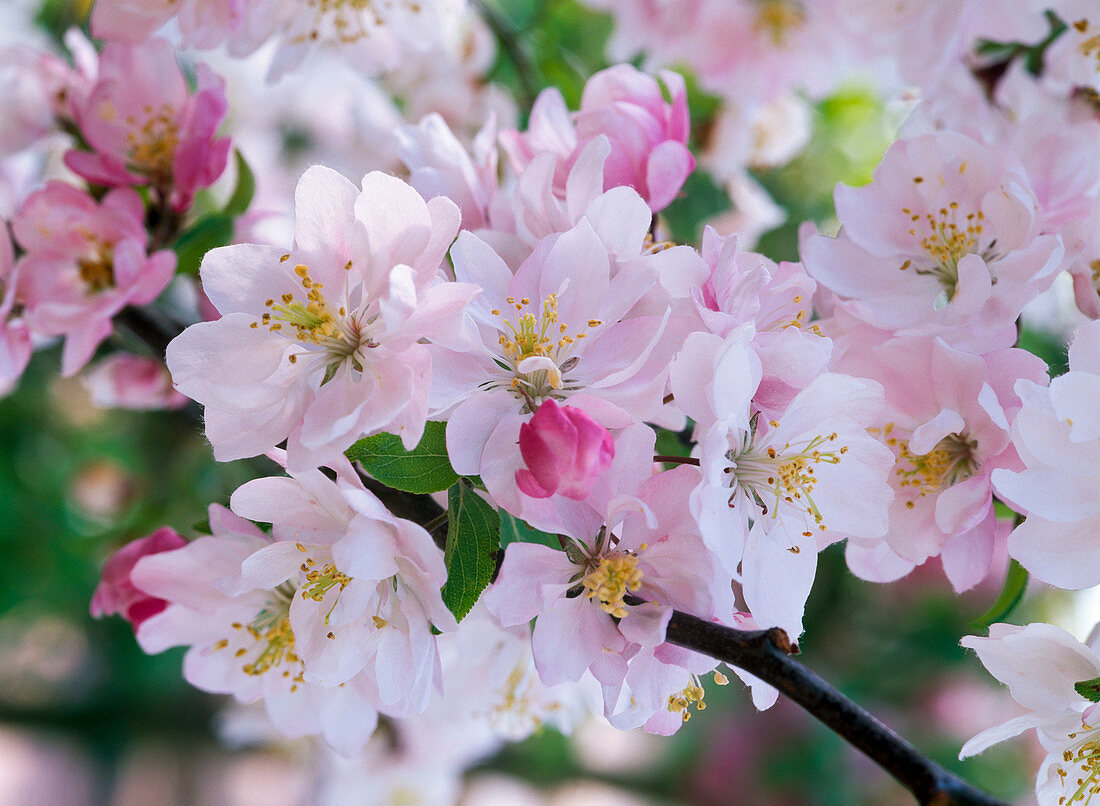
point(1082, 761)
point(777, 18)
point(98, 270)
point(152, 144)
point(951, 461)
point(788, 473)
point(946, 239)
point(614, 577)
point(537, 336)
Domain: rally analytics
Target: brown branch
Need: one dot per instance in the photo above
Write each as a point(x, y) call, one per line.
point(765, 654)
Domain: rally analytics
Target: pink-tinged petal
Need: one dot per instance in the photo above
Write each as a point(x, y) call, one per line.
point(963, 506)
point(116, 593)
point(238, 278)
point(875, 561)
point(477, 263)
point(471, 424)
point(1012, 654)
point(268, 568)
point(926, 436)
point(396, 218)
point(777, 579)
point(668, 168)
point(81, 344)
point(621, 219)
point(967, 556)
point(324, 224)
point(1084, 351)
point(1064, 554)
point(1050, 493)
point(1074, 396)
point(567, 639)
point(1007, 730)
point(518, 595)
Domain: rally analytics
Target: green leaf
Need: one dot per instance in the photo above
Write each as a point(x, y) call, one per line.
point(473, 540)
point(424, 469)
point(245, 190)
point(1089, 689)
point(513, 530)
point(1011, 594)
point(209, 232)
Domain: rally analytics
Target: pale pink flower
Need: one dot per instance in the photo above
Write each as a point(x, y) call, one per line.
point(947, 424)
point(85, 261)
point(745, 288)
point(945, 241)
point(648, 135)
point(240, 638)
point(564, 451)
point(116, 594)
point(1040, 664)
point(145, 126)
point(132, 382)
point(439, 165)
point(558, 328)
point(1057, 435)
point(321, 345)
point(633, 536)
point(803, 479)
point(368, 585)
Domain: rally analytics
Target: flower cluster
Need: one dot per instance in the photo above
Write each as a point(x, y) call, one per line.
point(521, 331)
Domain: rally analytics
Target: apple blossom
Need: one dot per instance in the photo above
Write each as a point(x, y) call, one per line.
point(1041, 665)
point(144, 125)
point(132, 382)
point(85, 261)
point(321, 344)
point(1057, 435)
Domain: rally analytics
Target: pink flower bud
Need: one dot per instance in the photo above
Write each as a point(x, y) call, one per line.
point(116, 594)
point(565, 451)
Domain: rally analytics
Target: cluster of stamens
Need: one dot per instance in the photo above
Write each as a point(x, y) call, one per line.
point(271, 630)
point(152, 143)
point(97, 270)
point(314, 322)
point(349, 21)
point(800, 320)
point(787, 473)
point(614, 577)
point(947, 239)
point(320, 580)
point(1091, 45)
point(777, 18)
point(692, 694)
point(537, 335)
point(951, 461)
point(1082, 761)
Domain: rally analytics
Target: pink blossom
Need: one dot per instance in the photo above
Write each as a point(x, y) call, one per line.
point(321, 344)
point(648, 135)
point(947, 424)
point(565, 451)
point(945, 241)
point(1041, 664)
point(15, 337)
point(116, 592)
point(85, 261)
point(560, 327)
point(132, 382)
point(633, 536)
point(1057, 435)
point(144, 125)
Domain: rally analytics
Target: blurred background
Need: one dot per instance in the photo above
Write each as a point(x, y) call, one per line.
point(86, 718)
